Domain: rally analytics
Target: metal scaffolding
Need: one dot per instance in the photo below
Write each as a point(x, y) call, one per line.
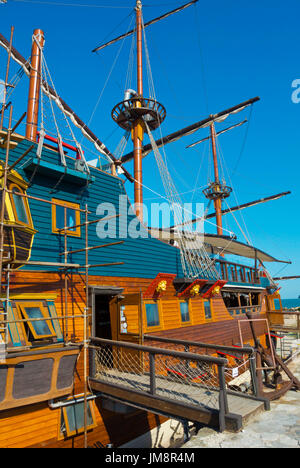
point(62, 268)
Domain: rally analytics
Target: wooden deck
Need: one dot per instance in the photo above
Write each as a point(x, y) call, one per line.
point(174, 398)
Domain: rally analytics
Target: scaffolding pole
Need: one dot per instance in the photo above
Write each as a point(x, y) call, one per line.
point(7, 265)
point(6, 77)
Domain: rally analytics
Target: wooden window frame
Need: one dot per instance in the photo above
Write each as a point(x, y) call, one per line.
point(22, 308)
point(11, 186)
point(64, 415)
point(211, 310)
point(189, 322)
point(277, 298)
point(66, 204)
point(155, 327)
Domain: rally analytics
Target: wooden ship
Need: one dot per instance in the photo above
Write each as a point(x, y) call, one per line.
point(73, 307)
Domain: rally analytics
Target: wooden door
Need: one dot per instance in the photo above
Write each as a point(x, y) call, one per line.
point(126, 323)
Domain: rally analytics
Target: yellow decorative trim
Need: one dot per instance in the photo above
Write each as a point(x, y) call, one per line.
point(63, 414)
point(211, 310)
point(12, 208)
point(190, 322)
point(195, 290)
point(33, 296)
point(23, 306)
point(216, 291)
point(162, 286)
point(14, 177)
point(75, 207)
point(160, 316)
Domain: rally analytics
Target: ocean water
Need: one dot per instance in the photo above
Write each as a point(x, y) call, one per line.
point(289, 303)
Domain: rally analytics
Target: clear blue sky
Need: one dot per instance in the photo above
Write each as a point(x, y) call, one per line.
point(205, 59)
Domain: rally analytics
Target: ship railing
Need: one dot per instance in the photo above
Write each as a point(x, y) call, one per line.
point(285, 325)
point(236, 273)
point(240, 371)
point(242, 310)
point(177, 382)
point(284, 319)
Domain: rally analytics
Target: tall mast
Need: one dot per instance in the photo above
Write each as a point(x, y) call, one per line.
point(217, 201)
point(34, 85)
point(138, 126)
point(134, 111)
point(216, 190)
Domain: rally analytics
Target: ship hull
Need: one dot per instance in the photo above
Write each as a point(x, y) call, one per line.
point(34, 423)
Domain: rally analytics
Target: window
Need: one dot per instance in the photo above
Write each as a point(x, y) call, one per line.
point(152, 315)
point(19, 205)
point(277, 305)
point(231, 300)
point(72, 419)
point(254, 299)
point(61, 209)
point(184, 311)
point(38, 323)
point(207, 310)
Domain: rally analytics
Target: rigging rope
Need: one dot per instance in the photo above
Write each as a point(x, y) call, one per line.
point(108, 78)
point(45, 72)
point(71, 4)
point(194, 258)
point(248, 237)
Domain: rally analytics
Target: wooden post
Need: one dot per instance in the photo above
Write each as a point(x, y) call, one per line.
point(138, 128)
point(218, 202)
point(252, 360)
point(34, 85)
point(85, 327)
point(4, 190)
point(66, 274)
point(152, 373)
point(2, 222)
point(141, 325)
point(223, 401)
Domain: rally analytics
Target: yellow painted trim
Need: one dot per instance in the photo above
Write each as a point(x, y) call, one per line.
point(211, 310)
point(14, 177)
point(26, 206)
point(160, 315)
point(22, 307)
point(63, 413)
point(75, 207)
point(28, 296)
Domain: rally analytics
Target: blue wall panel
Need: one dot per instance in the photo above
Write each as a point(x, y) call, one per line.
point(142, 257)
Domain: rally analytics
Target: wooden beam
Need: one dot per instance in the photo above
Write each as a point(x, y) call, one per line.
point(100, 265)
point(102, 246)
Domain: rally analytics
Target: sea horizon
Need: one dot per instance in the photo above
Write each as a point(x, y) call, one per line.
point(290, 303)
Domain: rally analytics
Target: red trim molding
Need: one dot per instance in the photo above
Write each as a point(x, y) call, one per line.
point(159, 286)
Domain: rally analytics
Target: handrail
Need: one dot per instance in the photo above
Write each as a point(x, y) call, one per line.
point(153, 350)
point(229, 350)
point(239, 350)
point(236, 275)
point(283, 312)
point(151, 374)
